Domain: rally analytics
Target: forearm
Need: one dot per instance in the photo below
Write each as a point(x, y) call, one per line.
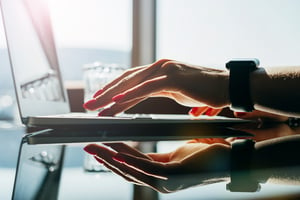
point(276, 90)
point(278, 160)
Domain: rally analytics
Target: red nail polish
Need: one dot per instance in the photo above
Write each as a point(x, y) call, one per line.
point(99, 160)
point(89, 104)
point(193, 111)
point(90, 150)
point(119, 158)
point(118, 97)
point(105, 112)
point(208, 111)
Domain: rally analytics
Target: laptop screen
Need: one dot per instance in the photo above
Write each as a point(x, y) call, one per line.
point(33, 58)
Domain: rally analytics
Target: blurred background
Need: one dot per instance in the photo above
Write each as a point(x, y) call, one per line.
point(135, 32)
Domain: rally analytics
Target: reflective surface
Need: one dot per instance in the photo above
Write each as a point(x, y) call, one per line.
point(38, 172)
point(75, 183)
point(206, 163)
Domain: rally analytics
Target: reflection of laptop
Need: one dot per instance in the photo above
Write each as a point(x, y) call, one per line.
point(40, 91)
point(38, 171)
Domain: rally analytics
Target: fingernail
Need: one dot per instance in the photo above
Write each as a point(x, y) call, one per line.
point(119, 158)
point(89, 104)
point(90, 149)
point(104, 112)
point(193, 111)
point(98, 160)
point(98, 93)
point(208, 111)
point(118, 97)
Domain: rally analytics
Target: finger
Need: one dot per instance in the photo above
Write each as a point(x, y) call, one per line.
point(230, 139)
point(103, 97)
point(123, 84)
point(212, 112)
point(118, 172)
point(149, 167)
point(197, 111)
point(143, 90)
point(107, 156)
point(98, 93)
point(199, 140)
point(136, 75)
point(124, 148)
point(209, 141)
point(115, 81)
point(118, 108)
point(178, 97)
point(138, 178)
point(245, 115)
point(260, 114)
point(94, 149)
point(218, 140)
point(159, 157)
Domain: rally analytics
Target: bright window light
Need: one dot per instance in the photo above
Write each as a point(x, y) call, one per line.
point(210, 32)
point(92, 23)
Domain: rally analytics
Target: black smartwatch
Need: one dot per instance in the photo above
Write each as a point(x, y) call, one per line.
point(239, 83)
point(240, 171)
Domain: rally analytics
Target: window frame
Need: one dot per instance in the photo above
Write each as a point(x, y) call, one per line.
point(143, 32)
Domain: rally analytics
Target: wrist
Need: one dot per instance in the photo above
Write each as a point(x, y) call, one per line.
point(222, 93)
point(225, 84)
point(257, 79)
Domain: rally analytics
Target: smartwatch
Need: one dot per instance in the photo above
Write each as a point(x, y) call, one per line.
point(239, 83)
point(241, 179)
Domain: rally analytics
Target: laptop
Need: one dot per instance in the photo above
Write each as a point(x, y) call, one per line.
point(42, 99)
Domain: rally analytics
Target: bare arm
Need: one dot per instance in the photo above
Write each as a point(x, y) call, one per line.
point(277, 160)
point(273, 90)
point(276, 90)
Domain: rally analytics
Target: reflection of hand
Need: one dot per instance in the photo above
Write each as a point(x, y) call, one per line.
point(265, 116)
point(166, 172)
point(270, 126)
point(207, 110)
point(269, 131)
point(161, 79)
point(204, 110)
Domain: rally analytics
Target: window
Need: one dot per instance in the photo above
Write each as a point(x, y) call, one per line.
point(91, 30)
point(210, 33)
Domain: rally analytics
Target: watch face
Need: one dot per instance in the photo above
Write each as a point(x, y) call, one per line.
point(251, 63)
point(248, 187)
point(239, 86)
point(241, 179)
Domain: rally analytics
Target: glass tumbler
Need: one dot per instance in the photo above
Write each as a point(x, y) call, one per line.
point(95, 76)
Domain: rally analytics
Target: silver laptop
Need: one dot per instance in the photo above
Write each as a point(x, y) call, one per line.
point(42, 98)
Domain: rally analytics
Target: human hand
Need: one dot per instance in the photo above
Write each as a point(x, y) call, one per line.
point(204, 110)
point(269, 125)
point(189, 165)
point(184, 83)
point(256, 114)
point(261, 115)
